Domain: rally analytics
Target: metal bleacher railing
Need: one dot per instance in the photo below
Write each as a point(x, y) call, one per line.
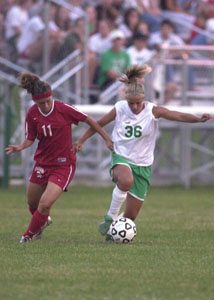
point(184, 152)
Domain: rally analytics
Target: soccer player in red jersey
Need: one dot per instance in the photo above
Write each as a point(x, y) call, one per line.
point(50, 122)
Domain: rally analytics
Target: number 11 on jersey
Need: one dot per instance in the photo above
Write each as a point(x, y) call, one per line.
point(48, 130)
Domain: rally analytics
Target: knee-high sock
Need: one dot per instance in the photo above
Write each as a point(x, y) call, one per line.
point(38, 220)
point(118, 197)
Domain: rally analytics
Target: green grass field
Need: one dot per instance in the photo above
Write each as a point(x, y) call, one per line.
point(171, 258)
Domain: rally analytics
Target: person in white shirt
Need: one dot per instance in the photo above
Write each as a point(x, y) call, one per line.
point(16, 18)
point(14, 23)
point(134, 136)
point(101, 41)
point(30, 43)
point(166, 36)
point(138, 52)
point(98, 43)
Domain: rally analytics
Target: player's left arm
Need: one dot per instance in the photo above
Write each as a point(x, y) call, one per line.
point(106, 119)
point(162, 112)
point(95, 126)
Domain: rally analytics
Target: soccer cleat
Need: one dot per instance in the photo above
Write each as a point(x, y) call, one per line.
point(38, 235)
point(25, 239)
point(105, 225)
point(109, 238)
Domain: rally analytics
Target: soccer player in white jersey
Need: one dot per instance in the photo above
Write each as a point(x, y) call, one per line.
point(134, 137)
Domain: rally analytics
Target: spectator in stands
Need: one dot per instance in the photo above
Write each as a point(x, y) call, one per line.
point(98, 43)
point(30, 44)
point(139, 53)
point(143, 28)
point(149, 11)
point(200, 22)
point(167, 37)
point(107, 10)
point(181, 18)
point(130, 21)
point(208, 6)
point(202, 39)
point(134, 136)
point(62, 19)
point(74, 40)
point(92, 19)
point(16, 19)
point(50, 122)
point(114, 61)
point(101, 41)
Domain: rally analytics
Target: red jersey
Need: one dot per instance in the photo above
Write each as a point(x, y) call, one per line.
point(54, 132)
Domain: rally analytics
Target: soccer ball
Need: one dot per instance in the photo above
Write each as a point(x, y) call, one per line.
point(123, 230)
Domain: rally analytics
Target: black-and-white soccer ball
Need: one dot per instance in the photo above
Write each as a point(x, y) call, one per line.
point(123, 230)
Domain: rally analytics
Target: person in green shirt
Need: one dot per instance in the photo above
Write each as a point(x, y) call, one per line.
point(113, 61)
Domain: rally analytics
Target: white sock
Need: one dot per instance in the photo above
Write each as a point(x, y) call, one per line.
point(118, 197)
point(121, 215)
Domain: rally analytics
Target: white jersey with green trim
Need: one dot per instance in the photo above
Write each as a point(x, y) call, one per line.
point(134, 136)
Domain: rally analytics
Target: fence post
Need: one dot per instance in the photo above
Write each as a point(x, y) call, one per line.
point(185, 81)
point(7, 126)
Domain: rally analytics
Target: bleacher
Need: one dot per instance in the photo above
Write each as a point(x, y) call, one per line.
point(184, 153)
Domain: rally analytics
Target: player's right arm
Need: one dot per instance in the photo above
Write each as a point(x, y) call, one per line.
point(16, 148)
point(106, 119)
point(30, 133)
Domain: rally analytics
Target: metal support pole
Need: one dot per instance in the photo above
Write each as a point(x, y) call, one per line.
point(78, 83)
point(65, 85)
point(46, 58)
point(85, 69)
point(186, 158)
point(162, 63)
point(8, 118)
point(184, 81)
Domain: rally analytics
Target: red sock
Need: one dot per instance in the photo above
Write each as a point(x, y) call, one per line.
point(31, 209)
point(38, 220)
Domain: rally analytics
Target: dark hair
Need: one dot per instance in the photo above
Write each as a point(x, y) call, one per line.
point(167, 22)
point(140, 36)
point(33, 84)
point(127, 13)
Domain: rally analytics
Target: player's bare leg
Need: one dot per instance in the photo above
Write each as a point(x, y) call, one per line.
point(133, 206)
point(50, 195)
point(34, 194)
point(123, 175)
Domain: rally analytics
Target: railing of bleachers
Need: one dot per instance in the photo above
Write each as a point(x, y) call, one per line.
point(193, 69)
